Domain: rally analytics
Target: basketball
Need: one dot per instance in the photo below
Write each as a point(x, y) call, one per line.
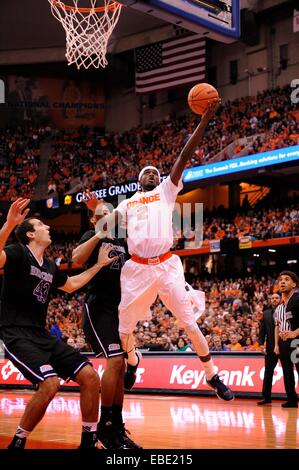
point(200, 96)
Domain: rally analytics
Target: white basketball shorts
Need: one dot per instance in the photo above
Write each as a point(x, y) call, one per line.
point(140, 285)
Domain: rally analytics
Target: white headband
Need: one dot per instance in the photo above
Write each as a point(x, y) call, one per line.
point(148, 168)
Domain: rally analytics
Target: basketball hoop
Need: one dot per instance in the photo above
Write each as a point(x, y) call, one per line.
point(87, 30)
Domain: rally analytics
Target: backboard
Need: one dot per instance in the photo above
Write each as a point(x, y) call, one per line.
point(215, 19)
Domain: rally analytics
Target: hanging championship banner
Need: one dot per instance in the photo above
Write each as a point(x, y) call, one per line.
point(62, 102)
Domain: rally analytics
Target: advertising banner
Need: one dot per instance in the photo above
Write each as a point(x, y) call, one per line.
point(242, 372)
point(236, 165)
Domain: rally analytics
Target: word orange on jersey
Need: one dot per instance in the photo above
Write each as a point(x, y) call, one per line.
point(144, 200)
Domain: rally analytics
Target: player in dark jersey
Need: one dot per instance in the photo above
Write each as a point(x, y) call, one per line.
point(100, 324)
point(41, 357)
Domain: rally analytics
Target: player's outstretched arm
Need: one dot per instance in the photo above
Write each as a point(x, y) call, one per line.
point(192, 143)
point(16, 214)
point(76, 282)
point(83, 251)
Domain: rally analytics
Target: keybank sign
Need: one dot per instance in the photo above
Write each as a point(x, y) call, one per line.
point(2, 92)
point(252, 162)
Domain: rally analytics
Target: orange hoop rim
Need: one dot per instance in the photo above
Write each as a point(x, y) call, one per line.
point(63, 6)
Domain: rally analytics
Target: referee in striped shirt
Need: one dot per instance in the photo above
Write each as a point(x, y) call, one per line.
point(286, 329)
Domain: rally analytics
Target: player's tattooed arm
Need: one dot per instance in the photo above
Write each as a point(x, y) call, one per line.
point(192, 144)
point(16, 214)
point(83, 251)
point(76, 282)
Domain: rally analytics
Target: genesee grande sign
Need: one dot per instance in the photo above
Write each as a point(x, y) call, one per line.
point(110, 192)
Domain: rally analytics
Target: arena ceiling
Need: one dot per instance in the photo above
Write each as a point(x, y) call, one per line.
point(29, 24)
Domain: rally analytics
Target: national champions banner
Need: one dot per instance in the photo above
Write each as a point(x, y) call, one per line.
point(60, 102)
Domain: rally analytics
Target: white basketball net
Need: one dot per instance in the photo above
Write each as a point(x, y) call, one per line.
point(87, 30)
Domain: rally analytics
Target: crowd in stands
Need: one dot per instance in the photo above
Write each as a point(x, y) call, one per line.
point(62, 246)
point(19, 161)
point(86, 158)
point(258, 223)
point(64, 319)
point(230, 321)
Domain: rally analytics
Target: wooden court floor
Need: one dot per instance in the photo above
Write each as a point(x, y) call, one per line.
point(162, 422)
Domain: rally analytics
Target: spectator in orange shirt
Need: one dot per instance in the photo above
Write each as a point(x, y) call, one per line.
point(234, 344)
point(254, 345)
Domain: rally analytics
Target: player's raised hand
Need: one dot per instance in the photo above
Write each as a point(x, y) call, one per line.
point(211, 109)
point(91, 200)
point(17, 212)
point(103, 257)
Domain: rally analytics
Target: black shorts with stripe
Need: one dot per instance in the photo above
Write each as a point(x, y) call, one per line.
point(100, 325)
point(39, 355)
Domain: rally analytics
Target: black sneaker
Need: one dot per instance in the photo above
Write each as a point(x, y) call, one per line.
point(264, 402)
point(290, 404)
point(18, 443)
point(222, 391)
point(107, 436)
point(124, 440)
point(89, 441)
point(130, 374)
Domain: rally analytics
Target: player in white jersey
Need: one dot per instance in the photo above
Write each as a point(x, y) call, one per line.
point(153, 270)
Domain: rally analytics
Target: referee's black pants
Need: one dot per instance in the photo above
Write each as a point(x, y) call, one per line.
point(285, 352)
point(271, 360)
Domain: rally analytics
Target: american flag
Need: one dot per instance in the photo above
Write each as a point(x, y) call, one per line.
point(170, 63)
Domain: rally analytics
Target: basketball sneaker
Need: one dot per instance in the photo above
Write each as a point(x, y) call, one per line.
point(124, 440)
point(130, 374)
point(89, 440)
point(17, 443)
point(107, 436)
point(222, 391)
